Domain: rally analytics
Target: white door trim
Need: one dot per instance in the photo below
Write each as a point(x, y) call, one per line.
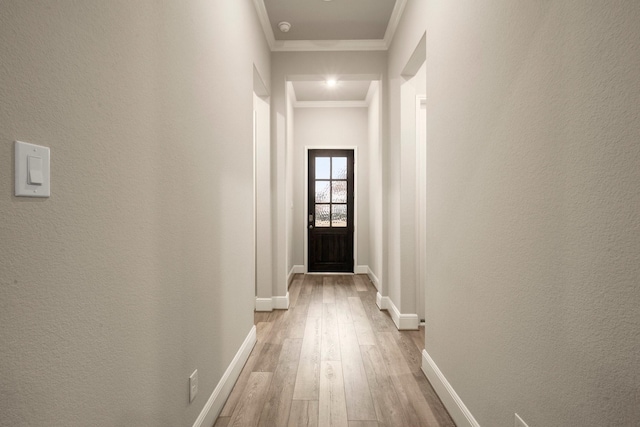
point(421, 212)
point(307, 148)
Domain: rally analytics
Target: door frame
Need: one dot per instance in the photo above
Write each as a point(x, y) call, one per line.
point(421, 203)
point(305, 221)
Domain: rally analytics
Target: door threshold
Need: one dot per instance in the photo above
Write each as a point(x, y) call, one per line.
point(330, 273)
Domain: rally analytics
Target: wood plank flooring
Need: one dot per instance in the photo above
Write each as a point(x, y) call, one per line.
point(333, 359)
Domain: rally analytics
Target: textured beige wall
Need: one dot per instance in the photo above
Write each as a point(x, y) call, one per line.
point(137, 270)
point(534, 196)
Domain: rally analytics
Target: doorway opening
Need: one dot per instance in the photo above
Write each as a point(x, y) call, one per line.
point(413, 194)
point(262, 226)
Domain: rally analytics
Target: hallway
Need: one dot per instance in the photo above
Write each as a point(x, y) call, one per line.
point(333, 359)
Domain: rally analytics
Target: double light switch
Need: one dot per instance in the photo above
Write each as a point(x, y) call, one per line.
point(32, 170)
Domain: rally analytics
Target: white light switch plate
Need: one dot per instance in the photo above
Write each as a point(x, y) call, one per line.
point(193, 385)
point(40, 173)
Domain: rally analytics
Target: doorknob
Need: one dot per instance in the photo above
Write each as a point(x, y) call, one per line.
point(310, 226)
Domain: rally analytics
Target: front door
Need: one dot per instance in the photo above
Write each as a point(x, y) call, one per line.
point(330, 213)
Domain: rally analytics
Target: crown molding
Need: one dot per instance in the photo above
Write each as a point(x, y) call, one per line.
point(328, 45)
point(264, 21)
point(373, 88)
point(330, 104)
point(394, 20)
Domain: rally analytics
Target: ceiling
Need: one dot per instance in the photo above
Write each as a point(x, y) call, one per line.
point(330, 20)
point(330, 25)
point(353, 90)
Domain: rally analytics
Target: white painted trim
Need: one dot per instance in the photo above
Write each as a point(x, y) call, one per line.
point(281, 303)
point(416, 60)
point(306, 198)
point(394, 20)
point(290, 276)
point(456, 407)
point(259, 87)
point(264, 304)
point(327, 45)
point(421, 206)
point(273, 303)
point(255, 194)
point(356, 205)
point(403, 321)
point(408, 322)
point(382, 302)
point(305, 209)
point(374, 279)
point(296, 269)
point(264, 22)
point(361, 269)
point(222, 391)
point(330, 104)
point(373, 88)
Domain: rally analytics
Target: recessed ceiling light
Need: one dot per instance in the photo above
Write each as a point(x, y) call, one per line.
point(331, 82)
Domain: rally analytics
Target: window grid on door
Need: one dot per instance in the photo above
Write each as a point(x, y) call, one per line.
point(331, 192)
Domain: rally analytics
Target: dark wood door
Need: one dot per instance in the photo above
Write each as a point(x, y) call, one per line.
point(330, 213)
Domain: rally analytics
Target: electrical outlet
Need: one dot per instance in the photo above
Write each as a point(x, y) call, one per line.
point(519, 422)
point(193, 385)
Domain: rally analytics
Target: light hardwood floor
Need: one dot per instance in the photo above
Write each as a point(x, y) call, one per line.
point(333, 359)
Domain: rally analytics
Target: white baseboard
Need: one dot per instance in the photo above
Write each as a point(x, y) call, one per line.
point(221, 393)
point(404, 322)
point(457, 409)
point(281, 303)
point(264, 304)
point(361, 269)
point(382, 302)
point(296, 269)
point(273, 303)
point(374, 279)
